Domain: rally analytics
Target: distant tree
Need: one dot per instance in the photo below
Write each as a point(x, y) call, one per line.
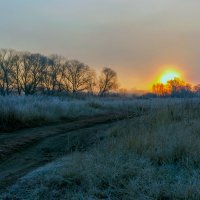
point(77, 76)
point(91, 82)
point(174, 88)
point(123, 91)
point(197, 89)
point(179, 88)
point(17, 72)
point(160, 89)
point(53, 74)
point(28, 73)
point(6, 70)
point(32, 70)
point(107, 81)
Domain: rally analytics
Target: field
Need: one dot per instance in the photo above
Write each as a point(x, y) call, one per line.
point(99, 148)
point(20, 112)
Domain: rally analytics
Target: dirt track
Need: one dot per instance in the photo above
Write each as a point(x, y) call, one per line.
point(25, 150)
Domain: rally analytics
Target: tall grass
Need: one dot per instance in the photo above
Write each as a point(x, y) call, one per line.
point(17, 112)
point(156, 156)
point(27, 111)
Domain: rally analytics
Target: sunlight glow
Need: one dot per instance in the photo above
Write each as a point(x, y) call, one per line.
point(169, 75)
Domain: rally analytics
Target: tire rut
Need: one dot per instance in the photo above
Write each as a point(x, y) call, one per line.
point(49, 143)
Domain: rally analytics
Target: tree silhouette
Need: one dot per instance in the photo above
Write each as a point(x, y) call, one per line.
point(174, 88)
point(107, 81)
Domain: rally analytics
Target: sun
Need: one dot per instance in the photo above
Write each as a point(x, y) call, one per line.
point(169, 75)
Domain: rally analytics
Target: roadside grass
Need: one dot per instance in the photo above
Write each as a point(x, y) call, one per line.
point(28, 111)
point(20, 112)
point(155, 156)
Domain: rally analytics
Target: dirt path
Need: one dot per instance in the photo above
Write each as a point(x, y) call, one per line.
point(25, 150)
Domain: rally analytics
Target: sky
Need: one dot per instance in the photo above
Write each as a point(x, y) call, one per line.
point(139, 39)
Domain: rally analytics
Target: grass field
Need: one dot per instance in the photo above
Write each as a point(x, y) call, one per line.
point(155, 155)
point(20, 112)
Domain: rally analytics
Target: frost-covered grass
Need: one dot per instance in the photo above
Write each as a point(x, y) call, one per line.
point(155, 156)
point(27, 111)
point(19, 112)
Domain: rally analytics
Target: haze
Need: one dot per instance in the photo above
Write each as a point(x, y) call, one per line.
point(137, 38)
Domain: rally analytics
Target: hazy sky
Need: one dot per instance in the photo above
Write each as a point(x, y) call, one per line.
point(137, 38)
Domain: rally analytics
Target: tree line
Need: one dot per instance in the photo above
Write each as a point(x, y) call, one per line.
point(176, 88)
point(32, 73)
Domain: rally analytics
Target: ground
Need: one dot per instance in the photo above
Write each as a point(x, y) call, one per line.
point(150, 152)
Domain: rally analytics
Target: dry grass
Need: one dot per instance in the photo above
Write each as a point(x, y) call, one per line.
point(19, 112)
point(156, 156)
point(29, 111)
point(22, 111)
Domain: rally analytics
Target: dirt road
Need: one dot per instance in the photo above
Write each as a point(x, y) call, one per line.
point(25, 150)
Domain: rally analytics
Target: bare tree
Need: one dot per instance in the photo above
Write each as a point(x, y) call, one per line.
point(6, 70)
point(33, 69)
point(107, 81)
point(91, 82)
point(77, 77)
point(197, 89)
point(161, 90)
point(179, 88)
point(35, 73)
point(52, 77)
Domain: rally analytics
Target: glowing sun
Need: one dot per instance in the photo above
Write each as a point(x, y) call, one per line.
point(169, 75)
